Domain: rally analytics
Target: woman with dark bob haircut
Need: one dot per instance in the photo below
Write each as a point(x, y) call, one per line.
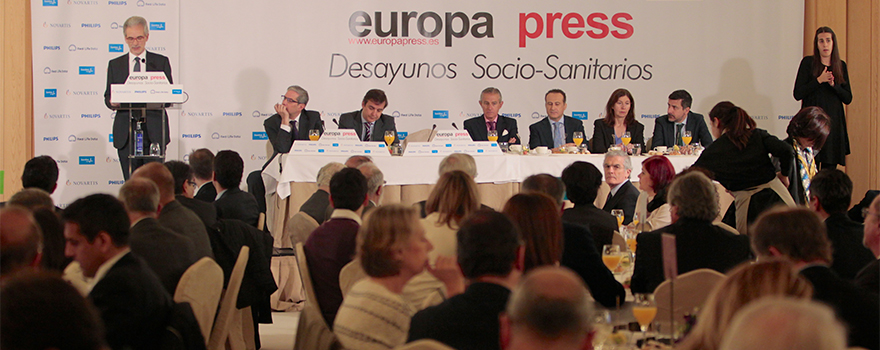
point(657, 173)
point(807, 132)
point(620, 117)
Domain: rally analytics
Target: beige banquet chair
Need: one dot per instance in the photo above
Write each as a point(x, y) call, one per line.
point(298, 229)
point(350, 274)
point(312, 332)
point(201, 286)
point(691, 290)
point(222, 325)
point(424, 344)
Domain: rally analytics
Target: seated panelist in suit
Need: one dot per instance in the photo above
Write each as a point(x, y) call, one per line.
point(136, 34)
point(291, 120)
point(479, 127)
point(619, 118)
point(624, 194)
point(369, 122)
point(556, 129)
point(669, 129)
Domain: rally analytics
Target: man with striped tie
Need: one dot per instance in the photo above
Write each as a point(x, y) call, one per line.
point(369, 122)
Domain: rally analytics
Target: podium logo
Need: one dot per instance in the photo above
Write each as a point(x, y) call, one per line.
point(86, 160)
point(50, 93)
point(115, 48)
point(191, 136)
point(580, 115)
point(51, 48)
point(86, 70)
point(157, 25)
point(50, 3)
point(50, 139)
point(361, 24)
point(441, 114)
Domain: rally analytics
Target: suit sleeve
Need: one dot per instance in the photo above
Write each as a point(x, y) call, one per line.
point(535, 136)
point(513, 132)
point(638, 133)
point(598, 142)
point(281, 139)
point(167, 70)
point(110, 79)
point(469, 127)
point(657, 138)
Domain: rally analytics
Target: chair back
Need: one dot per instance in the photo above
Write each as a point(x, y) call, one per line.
point(350, 274)
point(618, 240)
point(691, 290)
point(312, 332)
point(221, 328)
point(201, 286)
point(298, 229)
point(424, 344)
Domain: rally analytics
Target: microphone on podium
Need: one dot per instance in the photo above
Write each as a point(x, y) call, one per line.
point(323, 127)
point(335, 122)
point(453, 125)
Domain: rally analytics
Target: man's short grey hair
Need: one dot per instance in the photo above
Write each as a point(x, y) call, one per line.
point(135, 21)
point(458, 161)
point(554, 309)
point(627, 162)
point(327, 171)
point(140, 194)
point(375, 178)
point(491, 90)
point(32, 198)
point(303, 94)
point(777, 323)
point(356, 161)
point(694, 195)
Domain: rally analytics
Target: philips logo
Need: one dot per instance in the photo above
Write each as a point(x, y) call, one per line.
point(511, 115)
point(90, 116)
point(91, 25)
point(53, 138)
point(579, 115)
point(441, 114)
point(86, 160)
point(785, 117)
point(50, 93)
point(51, 48)
point(115, 182)
point(259, 135)
point(115, 48)
point(232, 114)
point(191, 136)
point(86, 70)
point(157, 25)
point(50, 2)
point(652, 116)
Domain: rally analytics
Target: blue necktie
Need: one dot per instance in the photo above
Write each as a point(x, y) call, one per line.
point(558, 135)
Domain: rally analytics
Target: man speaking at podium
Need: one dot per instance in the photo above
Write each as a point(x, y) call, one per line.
point(137, 59)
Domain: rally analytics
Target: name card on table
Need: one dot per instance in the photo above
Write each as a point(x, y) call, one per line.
point(336, 148)
point(452, 135)
point(340, 135)
point(445, 148)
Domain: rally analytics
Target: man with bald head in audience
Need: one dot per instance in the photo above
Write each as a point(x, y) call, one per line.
point(20, 240)
point(776, 323)
point(869, 277)
point(549, 310)
point(172, 214)
point(356, 161)
point(167, 253)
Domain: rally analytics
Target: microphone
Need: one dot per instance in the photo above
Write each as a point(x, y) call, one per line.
point(323, 127)
point(432, 134)
point(453, 125)
point(335, 122)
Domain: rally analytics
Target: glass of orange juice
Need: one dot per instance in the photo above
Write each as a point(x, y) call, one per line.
point(686, 137)
point(611, 256)
point(618, 213)
point(493, 135)
point(314, 134)
point(577, 137)
point(389, 137)
point(627, 137)
point(644, 310)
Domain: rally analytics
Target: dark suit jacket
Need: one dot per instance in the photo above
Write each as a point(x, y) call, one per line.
point(117, 73)
point(206, 211)
point(858, 309)
point(603, 135)
point(185, 222)
point(238, 204)
point(579, 255)
point(602, 225)
point(167, 253)
point(132, 303)
point(328, 249)
point(352, 120)
point(466, 321)
point(849, 255)
point(282, 140)
point(664, 131)
point(625, 198)
point(869, 277)
point(476, 126)
point(317, 207)
point(698, 244)
point(541, 133)
point(207, 193)
point(854, 213)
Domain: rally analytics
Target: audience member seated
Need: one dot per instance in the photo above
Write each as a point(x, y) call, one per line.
point(172, 214)
point(578, 253)
point(232, 202)
point(20, 240)
point(693, 204)
point(743, 285)
point(807, 132)
point(166, 252)
point(657, 173)
point(45, 214)
point(797, 234)
point(32, 198)
point(356, 161)
point(856, 212)
point(132, 302)
point(184, 190)
point(548, 294)
point(541, 227)
point(39, 173)
point(375, 185)
point(316, 206)
point(869, 277)
point(456, 161)
point(491, 255)
point(39, 310)
point(582, 181)
point(333, 244)
point(830, 195)
point(784, 323)
point(623, 195)
point(202, 163)
point(392, 249)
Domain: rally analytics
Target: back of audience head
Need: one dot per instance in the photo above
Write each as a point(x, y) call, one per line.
point(42, 311)
point(228, 168)
point(356, 161)
point(811, 126)
point(139, 195)
point(743, 285)
point(20, 240)
point(797, 234)
point(488, 245)
point(454, 197)
point(537, 217)
point(582, 181)
point(161, 176)
point(52, 257)
point(871, 237)
point(732, 121)
point(547, 184)
point(183, 178)
point(202, 162)
point(784, 323)
point(660, 170)
point(830, 192)
point(693, 196)
point(93, 226)
point(326, 173)
point(458, 161)
point(386, 230)
point(375, 180)
point(32, 198)
point(549, 309)
point(40, 172)
point(348, 189)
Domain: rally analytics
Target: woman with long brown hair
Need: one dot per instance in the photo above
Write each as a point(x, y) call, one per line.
point(620, 117)
point(540, 225)
point(823, 81)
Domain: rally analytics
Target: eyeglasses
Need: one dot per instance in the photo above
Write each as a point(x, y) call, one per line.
point(140, 38)
point(866, 212)
point(288, 99)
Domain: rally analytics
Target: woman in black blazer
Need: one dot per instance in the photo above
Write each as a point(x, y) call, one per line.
point(619, 118)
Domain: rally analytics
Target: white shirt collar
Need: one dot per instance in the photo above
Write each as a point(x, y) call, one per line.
point(345, 214)
point(683, 121)
point(102, 270)
point(617, 188)
point(220, 194)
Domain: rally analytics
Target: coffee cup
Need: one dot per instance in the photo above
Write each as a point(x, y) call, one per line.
point(518, 149)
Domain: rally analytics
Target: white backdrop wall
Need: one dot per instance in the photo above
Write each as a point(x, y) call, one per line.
point(237, 58)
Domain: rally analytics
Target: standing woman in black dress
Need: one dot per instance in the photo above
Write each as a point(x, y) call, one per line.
point(823, 81)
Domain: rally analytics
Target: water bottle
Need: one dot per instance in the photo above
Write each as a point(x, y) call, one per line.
point(138, 140)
